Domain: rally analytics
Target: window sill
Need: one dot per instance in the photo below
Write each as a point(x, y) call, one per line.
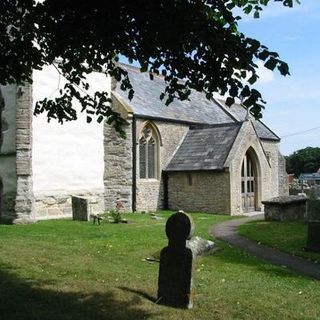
point(149, 179)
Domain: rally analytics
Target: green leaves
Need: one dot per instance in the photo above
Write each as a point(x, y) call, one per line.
point(194, 45)
point(305, 160)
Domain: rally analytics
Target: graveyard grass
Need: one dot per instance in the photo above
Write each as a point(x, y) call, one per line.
point(286, 236)
point(75, 270)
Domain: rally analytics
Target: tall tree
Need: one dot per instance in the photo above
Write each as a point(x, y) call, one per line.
point(194, 44)
point(305, 160)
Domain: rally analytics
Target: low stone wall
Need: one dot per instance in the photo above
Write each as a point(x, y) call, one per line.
point(60, 205)
point(286, 208)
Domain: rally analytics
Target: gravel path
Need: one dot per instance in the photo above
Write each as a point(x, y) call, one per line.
point(227, 231)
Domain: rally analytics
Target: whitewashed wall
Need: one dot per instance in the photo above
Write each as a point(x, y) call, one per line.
point(70, 157)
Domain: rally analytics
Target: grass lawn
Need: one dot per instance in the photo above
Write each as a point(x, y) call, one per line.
point(290, 237)
point(63, 269)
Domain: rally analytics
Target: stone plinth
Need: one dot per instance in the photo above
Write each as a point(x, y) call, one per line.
point(285, 208)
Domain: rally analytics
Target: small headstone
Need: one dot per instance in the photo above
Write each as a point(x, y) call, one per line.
point(80, 208)
point(175, 272)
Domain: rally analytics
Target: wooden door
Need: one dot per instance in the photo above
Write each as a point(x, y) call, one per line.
point(248, 184)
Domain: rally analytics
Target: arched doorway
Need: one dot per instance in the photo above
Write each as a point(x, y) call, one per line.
point(249, 183)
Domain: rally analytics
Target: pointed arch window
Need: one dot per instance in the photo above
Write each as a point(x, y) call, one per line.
point(148, 153)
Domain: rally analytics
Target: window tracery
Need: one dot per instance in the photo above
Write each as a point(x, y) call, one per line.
point(148, 153)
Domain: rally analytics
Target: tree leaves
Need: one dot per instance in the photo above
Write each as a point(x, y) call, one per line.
point(194, 45)
point(305, 160)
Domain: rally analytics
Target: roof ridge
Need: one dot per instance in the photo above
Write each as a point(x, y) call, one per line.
point(214, 125)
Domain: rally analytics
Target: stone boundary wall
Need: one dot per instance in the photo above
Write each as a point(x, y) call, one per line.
point(60, 205)
point(286, 208)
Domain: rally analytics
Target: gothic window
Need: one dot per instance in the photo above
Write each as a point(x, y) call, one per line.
point(148, 153)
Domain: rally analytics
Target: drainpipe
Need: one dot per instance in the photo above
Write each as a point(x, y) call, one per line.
point(134, 164)
point(165, 191)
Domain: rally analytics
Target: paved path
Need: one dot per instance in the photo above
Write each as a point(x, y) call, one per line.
point(227, 231)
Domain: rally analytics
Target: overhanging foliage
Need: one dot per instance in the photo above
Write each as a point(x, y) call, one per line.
point(193, 44)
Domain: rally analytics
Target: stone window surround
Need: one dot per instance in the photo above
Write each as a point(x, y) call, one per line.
point(155, 134)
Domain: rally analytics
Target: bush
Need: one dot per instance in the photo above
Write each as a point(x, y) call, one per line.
point(116, 216)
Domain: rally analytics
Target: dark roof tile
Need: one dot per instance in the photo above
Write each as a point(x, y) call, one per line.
point(204, 148)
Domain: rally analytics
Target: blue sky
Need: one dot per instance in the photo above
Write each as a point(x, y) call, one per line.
point(293, 103)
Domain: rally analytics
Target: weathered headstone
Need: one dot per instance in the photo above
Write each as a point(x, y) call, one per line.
point(313, 241)
point(175, 272)
point(80, 208)
point(313, 238)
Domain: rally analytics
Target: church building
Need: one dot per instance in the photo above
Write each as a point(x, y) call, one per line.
point(194, 155)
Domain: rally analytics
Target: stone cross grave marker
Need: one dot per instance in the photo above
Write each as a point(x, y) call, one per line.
point(175, 272)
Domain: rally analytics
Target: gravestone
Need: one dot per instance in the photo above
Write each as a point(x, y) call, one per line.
point(313, 238)
point(80, 208)
point(175, 272)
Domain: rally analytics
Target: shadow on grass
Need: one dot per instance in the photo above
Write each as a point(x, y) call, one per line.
point(20, 299)
point(140, 293)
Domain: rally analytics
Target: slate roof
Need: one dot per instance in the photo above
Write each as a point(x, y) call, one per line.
point(198, 110)
point(146, 102)
point(262, 130)
point(204, 148)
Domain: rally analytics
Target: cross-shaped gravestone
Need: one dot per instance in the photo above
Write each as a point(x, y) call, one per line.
point(175, 272)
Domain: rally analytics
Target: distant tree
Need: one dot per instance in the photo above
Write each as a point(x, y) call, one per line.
point(196, 41)
point(306, 160)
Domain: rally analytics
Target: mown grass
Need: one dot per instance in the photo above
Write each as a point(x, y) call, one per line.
point(289, 237)
point(75, 270)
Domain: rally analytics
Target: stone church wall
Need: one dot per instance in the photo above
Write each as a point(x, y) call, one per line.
point(24, 199)
point(67, 159)
point(150, 192)
point(118, 165)
point(56, 206)
point(15, 153)
point(203, 191)
point(282, 176)
point(278, 181)
point(8, 177)
point(246, 139)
